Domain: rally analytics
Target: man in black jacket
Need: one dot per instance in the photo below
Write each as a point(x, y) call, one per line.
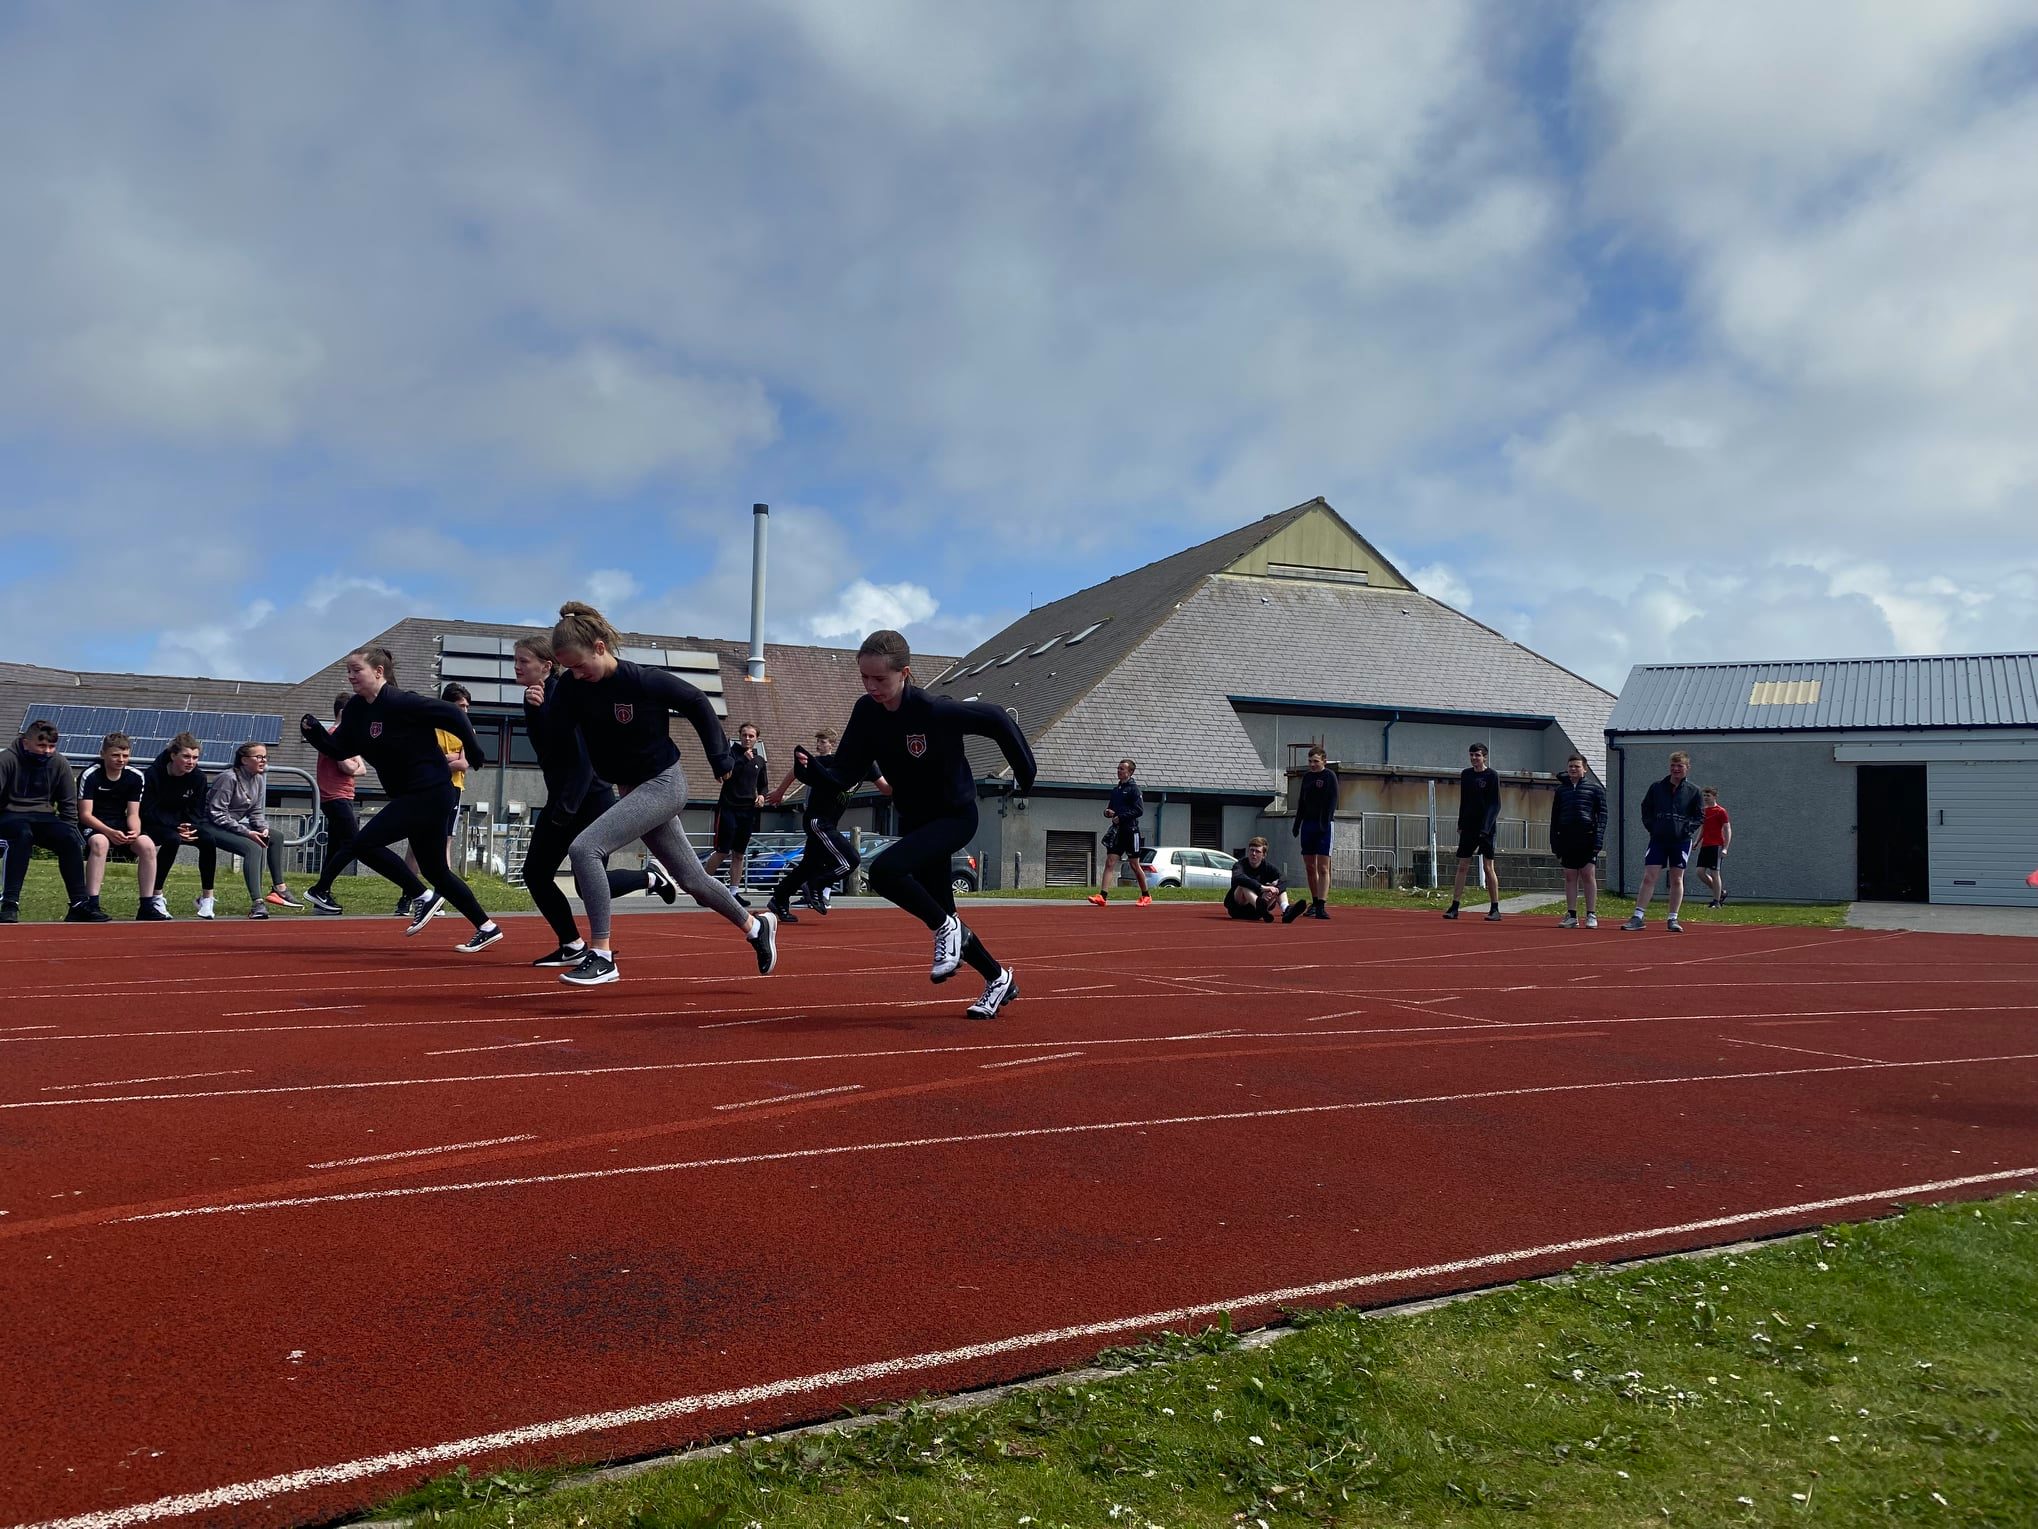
point(39, 806)
point(1577, 832)
point(1672, 812)
point(1478, 817)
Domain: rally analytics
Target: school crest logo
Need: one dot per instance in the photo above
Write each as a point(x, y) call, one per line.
point(374, 729)
point(625, 710)
point(916, 744)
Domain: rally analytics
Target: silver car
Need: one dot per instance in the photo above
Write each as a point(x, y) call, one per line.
point(1183, 867)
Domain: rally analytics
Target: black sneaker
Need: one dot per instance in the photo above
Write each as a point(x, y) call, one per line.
point(1293, 911)
point(742, 901)
point(1320, 911)
point(1001, 990)
point(765, 942)
point(661, 883)
point(1451, 911)
point(423, 911)
point(10, 913)
point(564, 956)
point(814, 902)
point(781, 912)
point(481, 939)
point(152, 911)
point(594, 969)
point(323, 902)
point(86, 913)
point(403, 907)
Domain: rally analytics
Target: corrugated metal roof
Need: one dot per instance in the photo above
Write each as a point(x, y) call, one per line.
point(1960, 690)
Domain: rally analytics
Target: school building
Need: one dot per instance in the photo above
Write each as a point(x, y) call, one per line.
point(1879, 779)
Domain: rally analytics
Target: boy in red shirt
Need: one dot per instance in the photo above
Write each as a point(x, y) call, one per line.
point(1716, 833)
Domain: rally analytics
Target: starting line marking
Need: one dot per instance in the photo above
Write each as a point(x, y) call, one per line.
point(390, 1157)
point(168, 1077)
point(342, 1472)
point(812, 1093)
point(505, 1046)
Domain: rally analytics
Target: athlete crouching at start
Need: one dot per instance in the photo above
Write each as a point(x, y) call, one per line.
point(916, 740)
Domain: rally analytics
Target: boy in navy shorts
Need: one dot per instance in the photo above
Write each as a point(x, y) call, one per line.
point(1122, 840)
point(1671, 812)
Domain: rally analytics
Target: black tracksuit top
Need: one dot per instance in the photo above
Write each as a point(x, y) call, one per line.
point(825, 800)
point(1478, 801)
point(1316, 799)
point(626, 721)
point(396, 733)
point(1127, 804)
point(562, 753)
point(746, 781)
point(168, 800)
point(919, 749)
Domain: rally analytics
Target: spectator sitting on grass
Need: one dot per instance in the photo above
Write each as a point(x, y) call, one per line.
point(1256, 884)
point(235, 807)
point(39, 806)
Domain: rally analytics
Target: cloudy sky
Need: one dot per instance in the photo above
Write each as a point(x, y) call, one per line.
point(1645, 330)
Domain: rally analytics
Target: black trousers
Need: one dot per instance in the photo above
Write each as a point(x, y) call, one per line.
point(22, 834)
point(551, 837)
point(826, 859)
point(420, 817)
point(913, 872)
point(342, 826)
point(169, 841)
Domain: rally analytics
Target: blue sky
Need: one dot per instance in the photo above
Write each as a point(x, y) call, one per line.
point(1642, 331)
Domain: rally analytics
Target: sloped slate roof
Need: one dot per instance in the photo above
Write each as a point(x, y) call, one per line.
point(1367, 646)
point(1961, 690)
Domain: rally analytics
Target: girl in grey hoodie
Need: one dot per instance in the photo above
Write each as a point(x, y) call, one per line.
point(234, 806)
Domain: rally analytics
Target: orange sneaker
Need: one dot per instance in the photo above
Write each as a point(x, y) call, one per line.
point(1144, 901)
point(1096, 897)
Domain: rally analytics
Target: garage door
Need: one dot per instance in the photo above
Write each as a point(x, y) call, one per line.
point(1071, 859)
point(1983, 818)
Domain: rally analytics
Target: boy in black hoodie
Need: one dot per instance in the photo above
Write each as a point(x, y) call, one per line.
point(39, 806)
point(1672, 812)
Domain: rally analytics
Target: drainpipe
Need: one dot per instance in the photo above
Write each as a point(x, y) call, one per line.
point(1387, 739)
point(1621, 817)
point(760, 515)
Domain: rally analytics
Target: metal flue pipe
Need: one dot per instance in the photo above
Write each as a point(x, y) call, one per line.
point(760, 515)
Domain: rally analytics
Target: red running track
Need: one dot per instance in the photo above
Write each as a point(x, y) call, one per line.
point(293, 1216)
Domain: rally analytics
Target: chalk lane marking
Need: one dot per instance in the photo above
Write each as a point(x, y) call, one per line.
point(1024, 1133)
point(1845, 1056)
point(812, 1093)
point(240, 1493)
point(1025, 1061)
point(390, 1157)
point(505, 1046)
point(168, 1077)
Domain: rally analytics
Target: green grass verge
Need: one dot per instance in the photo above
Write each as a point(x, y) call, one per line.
point(1884, 1373)
point(1611, 909)
point(43, 900)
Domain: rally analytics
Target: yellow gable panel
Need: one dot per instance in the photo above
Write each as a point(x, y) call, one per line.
point(1323, 544)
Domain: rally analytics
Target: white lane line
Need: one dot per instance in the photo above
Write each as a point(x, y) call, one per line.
point(1025, 1133)
point(730, 1024)
point(390, 1157)
point(505, 1046)
point(1845, 1056)
point(1028, 1060)
point(167, 1077)
point(812, 1093)
point(17, 1029)
point(321, 1008)
point(1095, 987)
point(240, 1493)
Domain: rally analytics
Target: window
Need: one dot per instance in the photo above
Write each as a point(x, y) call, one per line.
point(1087, 631)
point(1020, 653)
point(949, 673)
point(980, 668)
point(1057, 637)
point(522, 755)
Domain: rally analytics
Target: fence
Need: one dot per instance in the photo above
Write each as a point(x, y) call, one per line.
point(1392, 849)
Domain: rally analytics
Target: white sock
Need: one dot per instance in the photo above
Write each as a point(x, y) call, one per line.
point(604, 952)
point(574, 945)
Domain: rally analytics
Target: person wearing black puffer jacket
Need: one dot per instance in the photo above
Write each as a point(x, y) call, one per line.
point(1577, 833)
point(1672, 812)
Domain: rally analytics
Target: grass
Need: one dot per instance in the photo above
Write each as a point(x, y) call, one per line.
point(1873, 1374)
point(1612, 909)
point(43, 899)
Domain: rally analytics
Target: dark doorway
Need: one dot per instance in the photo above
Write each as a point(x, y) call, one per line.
point(1891, 845)
point(1206, 824)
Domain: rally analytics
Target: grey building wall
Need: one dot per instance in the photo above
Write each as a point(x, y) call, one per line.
point(1419, 745)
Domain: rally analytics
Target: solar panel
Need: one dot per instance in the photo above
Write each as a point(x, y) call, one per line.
point(218, 733)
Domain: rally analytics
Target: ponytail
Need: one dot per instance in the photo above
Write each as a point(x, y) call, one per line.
point(891, 646)
point(378, 658)
point(581, 627)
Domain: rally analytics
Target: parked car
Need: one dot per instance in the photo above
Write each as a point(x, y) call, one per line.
point(1180, 866)
point(764, 867)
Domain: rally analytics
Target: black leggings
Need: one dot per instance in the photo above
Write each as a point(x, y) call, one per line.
point(827, 858)
point(551, 837)
point(22, 833)
point(913, 872)
point(344, 847)
point(342, 827)
point(420, 817)
point(169, 841)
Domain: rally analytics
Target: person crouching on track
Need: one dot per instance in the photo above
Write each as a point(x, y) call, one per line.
point(916, 740)
point(396, 732)
point(575, 797)
point(1256, 884)
point(828, 856)
point(236, 806)
point(624, 711)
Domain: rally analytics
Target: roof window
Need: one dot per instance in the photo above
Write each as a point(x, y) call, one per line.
point(1088, 631)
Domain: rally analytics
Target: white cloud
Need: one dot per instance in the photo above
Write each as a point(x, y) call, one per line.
point(864, 607)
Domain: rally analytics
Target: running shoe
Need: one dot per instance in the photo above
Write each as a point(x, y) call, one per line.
point(279, 898)
point(87, 913)
point(814, 902)
point(998, 992)
point(742, 901)
point(1451, 911)
point(1635, 921)
point(10, 913)
point(781, 912)
point(258, 911)
point(323, 902)
point(593, 971)
point(152, 911)
point(1098, 898)
point(1321, 910)
point(204, 906)
point(1493, 914)
point(564, 956)
point(947, 949)
point(481, 939)
point(1144, 901)
point(423, 910)
point(661, 883)
point(1674, 927)
point(1568, 921)
point(765, 942)
point(403, 907)
point(1293, 911)
point(1592, 921)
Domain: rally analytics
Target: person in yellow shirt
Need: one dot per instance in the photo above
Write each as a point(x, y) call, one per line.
point(458, 763)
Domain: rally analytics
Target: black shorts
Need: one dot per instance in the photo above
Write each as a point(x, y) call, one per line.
point(1708, 857)
point(1123, 839)
point(113, 851)
point(733, 830)
point(1471, 842)
point(1574, 853)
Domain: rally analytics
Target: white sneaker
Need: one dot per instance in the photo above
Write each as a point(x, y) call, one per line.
point(947, 949)
point(205, 906)
point(1001, 990)
point(1568, 921)
point(1592, 921)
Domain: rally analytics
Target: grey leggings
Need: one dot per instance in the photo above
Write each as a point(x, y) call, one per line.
point(252, 855)
point(651, 813)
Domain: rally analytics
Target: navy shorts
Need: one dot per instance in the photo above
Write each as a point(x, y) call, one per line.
point(1668, 852)
point(1575, 852)
point(1123, 839)
point(733, 831)
point(1471, 842)
point(1316, 838)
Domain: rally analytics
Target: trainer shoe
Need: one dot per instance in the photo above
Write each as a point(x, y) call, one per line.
point(1451, 911)
point(1568, 921)
point(1319, 910)
point(1674, 927)
point(594, 969)
point(278, 898)
point(323, 902)
point(742, 899)
point(204, 905)
point(947, 949)
point(565, 955)
point(998, 992)
point(1493, 914)
point(86, 913)
point(1635, 921)
point(1098, 898)
point(481, 939)
point(814, 902)
point(1592, 921)
point(661, 883)
point(10, 913)
point(1293, 911)
point(258, 911)
point(152, 911)
point(781, 912)
point(1144, 901)
point(403, 907)
point(423, 910)
point(765, 942)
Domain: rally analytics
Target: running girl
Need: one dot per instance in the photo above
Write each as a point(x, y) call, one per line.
point(394, 731)
point(917, 742)
point(624, 713)
point(574, 798)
